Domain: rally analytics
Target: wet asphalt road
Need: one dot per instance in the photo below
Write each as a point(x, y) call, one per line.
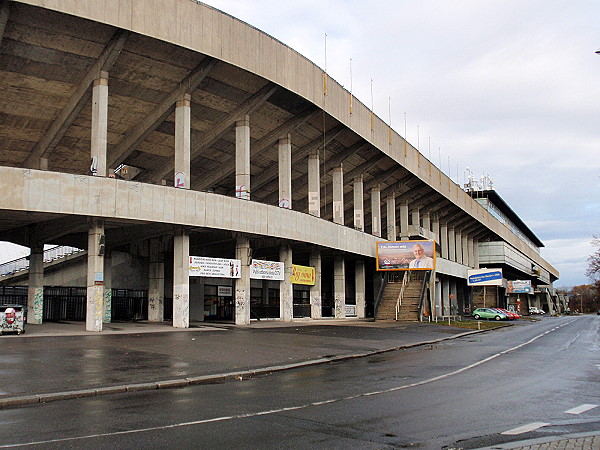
point(460, 393)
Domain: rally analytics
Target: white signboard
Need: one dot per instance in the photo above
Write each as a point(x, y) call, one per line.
point(484, 277)
point(266, 270)
point(201, 266)
point(224, 291)
point(350, 310)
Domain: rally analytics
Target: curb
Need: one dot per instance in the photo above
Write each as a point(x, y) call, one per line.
point(8, 402)
point(540, 441)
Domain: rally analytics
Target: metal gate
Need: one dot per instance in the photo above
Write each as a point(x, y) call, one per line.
point(129, 305)
point(64, 303)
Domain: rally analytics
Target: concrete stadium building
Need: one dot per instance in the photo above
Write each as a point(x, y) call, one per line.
point(161, 134)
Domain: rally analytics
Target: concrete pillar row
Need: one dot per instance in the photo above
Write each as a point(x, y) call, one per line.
point(183, 121)
point(415, 216)
point(99, 132)
point(181, 278)
point(360, 288)
point(404, 234)
point(242, 284)
point(476, 253)
point(359, 207)
point(316, 311)
point(470, 249)
point(286, 292)
point(314, 185)
point(95, 276)
point(156, 282)
point(35, 291)
point(390, 203)
point(339, 286)
point(285, 172)
point(242, 158)
point(338, 195)
point(376, 211)
point(435, 228)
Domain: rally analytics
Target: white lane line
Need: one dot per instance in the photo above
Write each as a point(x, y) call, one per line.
point(526, 428)
point(280, 410)
point(581, 409)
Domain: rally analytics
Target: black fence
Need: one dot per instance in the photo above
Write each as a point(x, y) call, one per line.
point(69, 303)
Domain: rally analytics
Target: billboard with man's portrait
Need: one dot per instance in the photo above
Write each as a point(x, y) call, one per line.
point(406, 255)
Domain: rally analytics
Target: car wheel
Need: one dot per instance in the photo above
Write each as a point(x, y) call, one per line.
point(497, 317)
point(476, 316)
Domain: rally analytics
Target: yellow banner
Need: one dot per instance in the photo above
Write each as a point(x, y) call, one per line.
point(303, 275)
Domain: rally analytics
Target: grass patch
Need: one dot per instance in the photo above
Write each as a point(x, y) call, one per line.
point(472, 324)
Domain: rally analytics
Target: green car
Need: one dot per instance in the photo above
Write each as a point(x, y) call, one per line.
point(489, 313)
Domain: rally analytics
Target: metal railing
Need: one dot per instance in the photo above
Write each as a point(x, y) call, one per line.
point(405, 281)
point(52, 254)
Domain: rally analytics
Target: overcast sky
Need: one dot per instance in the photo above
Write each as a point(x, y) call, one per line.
point(508, 88)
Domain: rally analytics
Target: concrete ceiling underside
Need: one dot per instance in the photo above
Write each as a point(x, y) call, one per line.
point(47, 60)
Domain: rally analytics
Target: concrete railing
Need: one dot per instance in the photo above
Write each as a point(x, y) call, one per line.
point(51, 254)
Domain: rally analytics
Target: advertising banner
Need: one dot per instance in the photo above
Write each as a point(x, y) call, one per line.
point(484, 277)
point(406, 255)
point(201, 266)
point(303, 275)
point(519, 287)
point(266, 270)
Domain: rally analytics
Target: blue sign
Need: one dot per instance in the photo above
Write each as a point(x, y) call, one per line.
point(485, 277)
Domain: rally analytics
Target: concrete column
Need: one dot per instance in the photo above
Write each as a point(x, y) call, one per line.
point(376, 211)
point(470, 250)
point(359, 207)
point(454, 298)
point(476, 253)
point(95, 276)
point(404, 234)
point(435, 228)
point(339, 286)
point(242, 284)
point(438, 296)
point(107, 314)
point(451, 245)
point(35, 292)
point(443, 237)
point(156, 283)
point(182, 142)
point(314, 185)
point(445, 296)
point(181, 278)
point(285, 172)
point(99, 125)
point(416, 218)
point(360, 288)
point(458, 241)
point(426, 221)
point(338, 195)
point(242, 158)
point(465, 249)
point(390, 203)
point(286, 293)
point(316, 311)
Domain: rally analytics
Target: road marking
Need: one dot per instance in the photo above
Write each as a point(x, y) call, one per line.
point(581, 409)
point(292, 408)
point(526, 428)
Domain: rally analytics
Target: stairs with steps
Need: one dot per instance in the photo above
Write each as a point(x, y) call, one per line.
point(409, 308)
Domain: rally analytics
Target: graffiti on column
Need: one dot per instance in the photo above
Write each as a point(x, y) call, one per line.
point(38, 305)
point(107, 305)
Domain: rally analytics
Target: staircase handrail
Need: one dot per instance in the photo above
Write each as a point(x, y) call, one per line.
point(426, 279)
point(405, 281)
point(51, 254)
point(384, 283)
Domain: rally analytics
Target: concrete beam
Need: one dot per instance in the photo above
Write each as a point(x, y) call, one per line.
point(151, 121)
point(78, 99)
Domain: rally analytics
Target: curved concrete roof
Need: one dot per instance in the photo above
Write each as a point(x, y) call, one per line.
point(51, 50)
